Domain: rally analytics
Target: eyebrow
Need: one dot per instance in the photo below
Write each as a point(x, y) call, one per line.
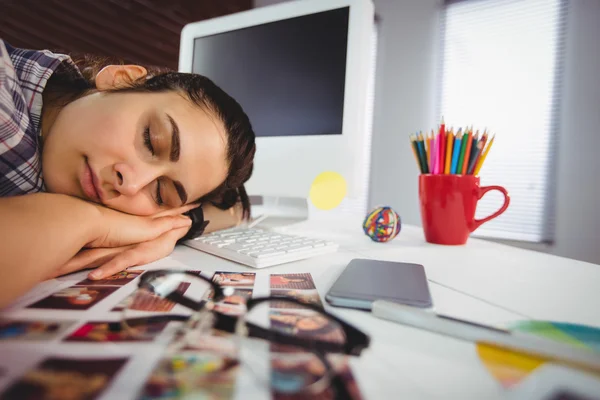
point(174, 156)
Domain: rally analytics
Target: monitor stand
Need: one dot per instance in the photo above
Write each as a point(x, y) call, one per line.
point(280, 211)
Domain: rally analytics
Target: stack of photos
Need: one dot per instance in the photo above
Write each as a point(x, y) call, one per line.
point(200, 365)
point(192, 375)
point(86, 293)
point(65, 378)
point(112, 331)
point(242, 284)
point(38, 330)
point(303, 322)
point(145, 301)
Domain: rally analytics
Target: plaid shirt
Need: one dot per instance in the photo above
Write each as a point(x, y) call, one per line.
point(23, 76)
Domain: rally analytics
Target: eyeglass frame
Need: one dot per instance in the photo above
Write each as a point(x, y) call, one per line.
point(356, 340)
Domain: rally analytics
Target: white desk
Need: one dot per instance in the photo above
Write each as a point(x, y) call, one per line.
point(481, 281)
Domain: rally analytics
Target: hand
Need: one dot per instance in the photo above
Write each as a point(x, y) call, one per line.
point(112, 260)
point(118, 229)
point(116, 259)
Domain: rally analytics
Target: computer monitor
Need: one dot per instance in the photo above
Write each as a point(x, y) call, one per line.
point(300, 70)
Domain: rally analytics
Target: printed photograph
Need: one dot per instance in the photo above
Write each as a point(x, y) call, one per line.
point(308, 369)
point(234, 278)
point(114, 331)
point(63, 378)
point(32, 330)
point(118, 279)
point(216, 341)
point(305, 296)
point(142, 300)
point(307, 325)
point(292, 281)
point(192, 375)
point(234, 304)
point(297, 372)
point(75, 298)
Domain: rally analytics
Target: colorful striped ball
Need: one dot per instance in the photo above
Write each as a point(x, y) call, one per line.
point(382, 224)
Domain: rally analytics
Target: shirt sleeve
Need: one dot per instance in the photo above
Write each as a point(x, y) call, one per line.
point(9, 115)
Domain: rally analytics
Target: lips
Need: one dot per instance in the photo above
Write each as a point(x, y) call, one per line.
point(89, 183)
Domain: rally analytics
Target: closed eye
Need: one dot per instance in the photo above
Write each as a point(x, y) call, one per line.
point(158, 198)
point(147, 141)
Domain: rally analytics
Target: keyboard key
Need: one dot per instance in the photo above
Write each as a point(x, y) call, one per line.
point(235, 247)
point(230, 234)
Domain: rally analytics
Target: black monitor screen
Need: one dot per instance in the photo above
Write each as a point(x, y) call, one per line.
point(288, 75)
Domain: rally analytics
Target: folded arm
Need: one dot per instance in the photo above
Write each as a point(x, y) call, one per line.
point(39, 233)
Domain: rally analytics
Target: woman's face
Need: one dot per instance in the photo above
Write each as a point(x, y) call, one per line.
point(134, 152)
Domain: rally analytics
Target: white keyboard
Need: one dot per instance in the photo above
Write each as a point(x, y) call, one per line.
point(260, 248)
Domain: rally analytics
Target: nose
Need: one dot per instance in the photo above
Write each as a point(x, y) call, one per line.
point(129, 180)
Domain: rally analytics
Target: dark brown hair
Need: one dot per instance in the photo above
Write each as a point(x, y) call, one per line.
point(68, 84)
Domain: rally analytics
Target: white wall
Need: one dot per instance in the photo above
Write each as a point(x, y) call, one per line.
point(578, 191)
point(405, 92)
point(406, 89)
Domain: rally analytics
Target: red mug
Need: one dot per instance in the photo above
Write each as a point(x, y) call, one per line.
point(448, 204)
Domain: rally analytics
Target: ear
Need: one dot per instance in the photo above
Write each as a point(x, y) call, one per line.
point(117, 76)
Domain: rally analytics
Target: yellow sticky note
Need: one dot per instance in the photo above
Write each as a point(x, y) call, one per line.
point(328, 190)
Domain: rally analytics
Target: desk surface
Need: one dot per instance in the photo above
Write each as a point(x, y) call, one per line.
point(481, 281)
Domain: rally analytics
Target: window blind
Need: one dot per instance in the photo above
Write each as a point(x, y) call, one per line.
point(501, 70)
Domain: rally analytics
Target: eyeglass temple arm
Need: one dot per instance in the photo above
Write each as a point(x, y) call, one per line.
point(280, 338)
point(185, 301)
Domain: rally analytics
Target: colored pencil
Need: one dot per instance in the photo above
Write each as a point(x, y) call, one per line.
point(473, 148)
point(421, 147)
point(430, 159)
point(483, 156)
point(442, 149)
point(434, 154)
point(449, 144)
point(421, 153)
point(427, 149)
point(466, 159)
point(415, 150)
point(461, 152)
point(483, 141)
point(456, 151)
point(475, 157)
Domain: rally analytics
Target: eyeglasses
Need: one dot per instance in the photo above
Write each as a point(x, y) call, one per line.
point(284, 342)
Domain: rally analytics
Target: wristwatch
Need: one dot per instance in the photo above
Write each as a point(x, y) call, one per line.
point(198, 224)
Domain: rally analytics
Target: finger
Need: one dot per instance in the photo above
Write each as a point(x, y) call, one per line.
point(176, 234)
point(89, 258)
point(164, 224)
point(148, 229)
point(177, 210)
point(142, 253)
point(118, 263)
